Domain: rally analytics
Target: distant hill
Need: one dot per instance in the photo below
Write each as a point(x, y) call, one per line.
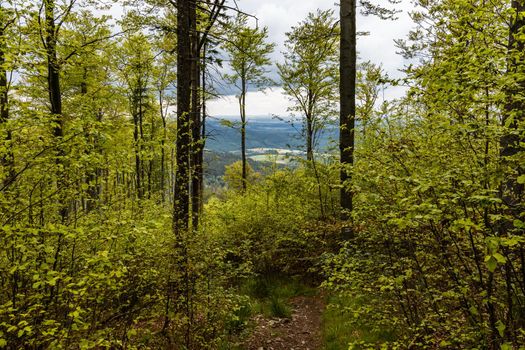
point(260, 133)
point(268, 141)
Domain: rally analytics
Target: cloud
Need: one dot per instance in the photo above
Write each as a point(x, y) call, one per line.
point(280, 15)
point(259, 104)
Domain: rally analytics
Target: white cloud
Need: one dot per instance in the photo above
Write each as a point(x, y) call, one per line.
point(280, 15)
point(258, 104)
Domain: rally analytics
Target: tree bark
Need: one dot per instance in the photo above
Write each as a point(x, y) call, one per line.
point(55, 99)
point(196, 126)
point(242, 105)
point(511, 192)
point(347, 89)
point(514, 114)
point(7, 159)
point(162, 149)
point(137, 139)
point(182, 193)
point(203, 127)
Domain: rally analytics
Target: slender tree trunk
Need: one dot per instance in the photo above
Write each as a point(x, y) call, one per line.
point(162, 149)
point(55, 99)
point(182, 192)
point(92, 177)
point(309, 139)
point(7, 159)
point(242, 103)
point(140, 118)
point(196, 128)
point(203, 128)
point(347, 91)
point(151, 161)
point(309, 127)
point(135, 102)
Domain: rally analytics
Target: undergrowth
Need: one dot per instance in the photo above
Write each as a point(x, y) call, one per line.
point(342, 328)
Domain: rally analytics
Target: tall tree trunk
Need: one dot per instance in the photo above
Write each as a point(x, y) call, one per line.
point(92, 177)
point(515, 106)
point(55, 99)
point(162, 149)
point(181, 197)
point(347, 89)
point(511, 191)
point(151, 161)
point(203, 127)
point(196, 126)
point(135, 110)
point(140, 118)
point(6, 160)
point(242, 105)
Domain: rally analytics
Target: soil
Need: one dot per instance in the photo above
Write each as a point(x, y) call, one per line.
point(302, 331)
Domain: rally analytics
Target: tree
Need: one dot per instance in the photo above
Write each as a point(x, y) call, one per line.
point(369, 80)
point(136, 70)
point(513, 113)
point(309, 73)
point(164, 82)
point(6, 155)
point(347, 92)
point(233, 176)
point(248, 54)
point(182, 190)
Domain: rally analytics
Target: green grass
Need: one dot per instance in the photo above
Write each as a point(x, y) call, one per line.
point(339, 332)
point(279, 308)
point(271, 294)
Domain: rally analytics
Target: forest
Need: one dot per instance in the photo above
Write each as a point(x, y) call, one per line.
point(396, 223)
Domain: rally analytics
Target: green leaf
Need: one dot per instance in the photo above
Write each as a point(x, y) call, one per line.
point(491, 262)
point(474, 310)
point(521, 179)
point(519, 224)
point(501, 328)
point(500, 258)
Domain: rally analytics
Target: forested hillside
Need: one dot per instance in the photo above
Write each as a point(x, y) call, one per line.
point(133, 217)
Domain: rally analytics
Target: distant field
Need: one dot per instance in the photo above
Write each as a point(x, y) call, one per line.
point(260, 134)
point(273, 158)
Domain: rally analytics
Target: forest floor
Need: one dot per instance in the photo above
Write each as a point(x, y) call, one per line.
point(300, 331)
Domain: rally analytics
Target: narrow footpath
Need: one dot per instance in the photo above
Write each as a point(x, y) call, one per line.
point(302, 331)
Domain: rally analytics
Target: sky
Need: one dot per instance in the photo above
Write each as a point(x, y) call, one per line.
point(280, 15)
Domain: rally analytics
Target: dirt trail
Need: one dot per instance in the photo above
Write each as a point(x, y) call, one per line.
point(301, 332)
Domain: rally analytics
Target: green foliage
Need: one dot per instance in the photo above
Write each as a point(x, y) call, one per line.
point(270, 293)
point(278, 308)
point(437, 238)
point(309, 75)
point(233, 176)
point(272, 226)
point(249, 54)
point(346, 325)
point(88, 257)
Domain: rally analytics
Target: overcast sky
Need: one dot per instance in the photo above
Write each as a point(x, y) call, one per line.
point(280, 15)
